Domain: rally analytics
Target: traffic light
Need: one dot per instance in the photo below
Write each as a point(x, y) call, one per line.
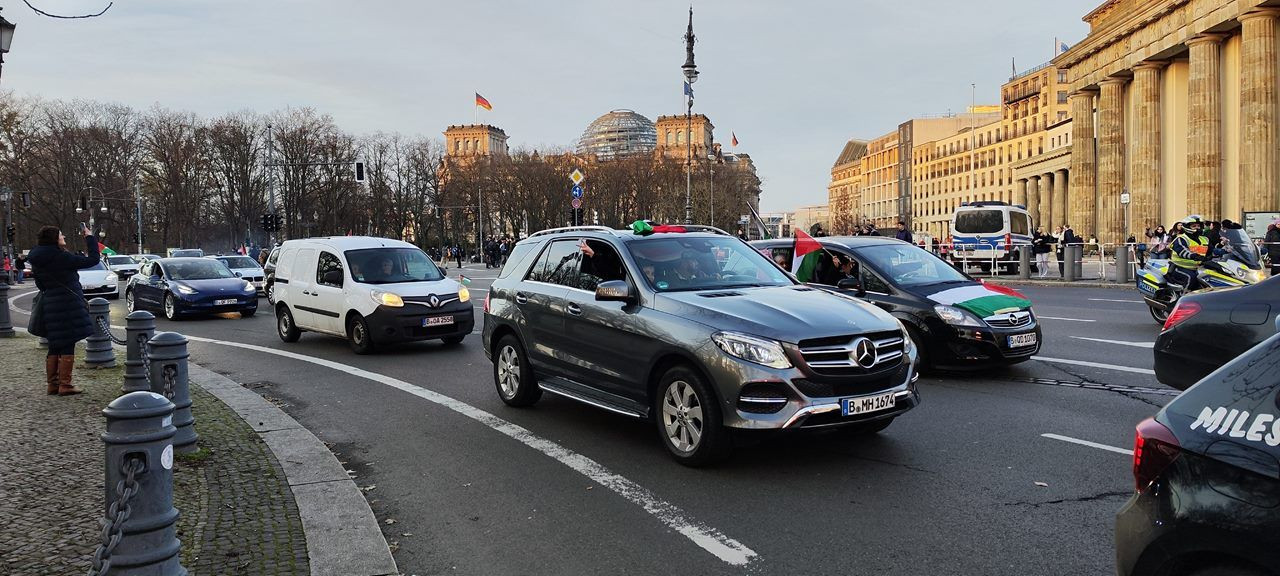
point(266, 222)
point(84, 204)
point(11, 232)
point(277, 221)
point(359, 171)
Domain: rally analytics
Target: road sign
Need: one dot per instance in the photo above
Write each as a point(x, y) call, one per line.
point(577, 191)
point(576, 203)
point(1124, 198)
point(577, 176)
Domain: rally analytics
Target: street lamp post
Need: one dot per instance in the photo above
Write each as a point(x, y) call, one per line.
point(6, 37)
point(690, 75)
point(6, 196)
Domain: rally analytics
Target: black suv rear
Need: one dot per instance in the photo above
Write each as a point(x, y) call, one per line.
point(693, 328)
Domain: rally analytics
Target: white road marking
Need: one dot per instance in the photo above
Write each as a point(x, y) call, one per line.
point(1067, 319)
point(1115, 300)
point(1096, 365)
point(14, 299)
point(706, 537)
point(1120, 342)
point(1089, 444)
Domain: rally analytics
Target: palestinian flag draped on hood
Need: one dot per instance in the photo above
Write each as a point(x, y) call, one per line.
point(982, 300)
point(807, 253)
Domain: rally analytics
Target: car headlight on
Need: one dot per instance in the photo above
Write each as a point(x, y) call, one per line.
point(463, 294)
point(955, 316)
point(112, 278)
point(387, 298)
point(184, 289)
point(248, 286)
point(756, 350)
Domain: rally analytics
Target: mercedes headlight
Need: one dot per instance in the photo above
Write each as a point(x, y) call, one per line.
point(955, 316)
point(756, 350)
point(907, 342)
point(386, 298)
point(184, 289)
point(463, 294)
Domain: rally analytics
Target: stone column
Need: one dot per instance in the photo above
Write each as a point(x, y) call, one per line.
point(1059, 211)
point(1110, 162)
point(1144, 206)
point(1258, 115)
point(1033, 199)
point(1083, 185)
point(1204, 127)
point(1020, 192)
point(1045, 217)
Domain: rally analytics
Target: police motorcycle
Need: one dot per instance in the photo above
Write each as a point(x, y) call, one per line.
point(1240, 264)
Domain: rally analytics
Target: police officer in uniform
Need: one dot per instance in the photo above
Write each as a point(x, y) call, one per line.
point(1189, 250)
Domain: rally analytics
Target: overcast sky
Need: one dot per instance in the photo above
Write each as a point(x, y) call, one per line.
point(793, 79)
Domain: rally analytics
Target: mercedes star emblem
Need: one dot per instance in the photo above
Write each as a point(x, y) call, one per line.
point(864, 353)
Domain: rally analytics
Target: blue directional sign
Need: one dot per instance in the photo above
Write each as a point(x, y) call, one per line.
point(577, 191)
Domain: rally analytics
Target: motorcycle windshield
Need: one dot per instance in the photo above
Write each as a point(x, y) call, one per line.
point(1242, 249)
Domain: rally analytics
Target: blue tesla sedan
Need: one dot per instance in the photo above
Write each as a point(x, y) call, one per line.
point(182, 286)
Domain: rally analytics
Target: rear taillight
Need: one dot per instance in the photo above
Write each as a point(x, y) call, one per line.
point(486, 302)
point(1154, 450)
point(1182, 311)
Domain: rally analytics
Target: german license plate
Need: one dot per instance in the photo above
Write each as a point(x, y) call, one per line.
point(437, 321)
point(1020, 340)
point(865, 404)
point(226, 302)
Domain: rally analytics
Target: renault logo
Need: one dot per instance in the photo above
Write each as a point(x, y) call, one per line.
point(433, 301)
point(864, 353)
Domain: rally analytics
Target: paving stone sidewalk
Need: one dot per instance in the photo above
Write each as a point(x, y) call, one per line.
point(237, 514)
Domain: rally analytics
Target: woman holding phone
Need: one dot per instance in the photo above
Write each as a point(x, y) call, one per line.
point(61, 314)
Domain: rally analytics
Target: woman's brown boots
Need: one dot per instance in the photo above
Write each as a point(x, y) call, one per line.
point(57, 375)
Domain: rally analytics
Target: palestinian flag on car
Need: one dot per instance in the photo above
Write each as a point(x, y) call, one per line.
point(105, 250)
point(807, 253)
point(983, 300)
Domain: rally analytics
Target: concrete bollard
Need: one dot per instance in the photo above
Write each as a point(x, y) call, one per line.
point(139, 533)
point(1122, 264)
point(168, 362)
point(6, 324)
point(140, 326)
point(98, 352)
point(1024, 262)
point(1069, 267)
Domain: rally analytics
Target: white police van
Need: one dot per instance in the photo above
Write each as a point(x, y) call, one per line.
point(983, 233)
point(370, 291)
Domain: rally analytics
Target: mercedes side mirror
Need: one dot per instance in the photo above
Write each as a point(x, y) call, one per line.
point(614, 291)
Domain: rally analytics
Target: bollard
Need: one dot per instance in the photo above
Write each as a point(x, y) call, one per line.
point(1077, 260)
point(1069, 268)
point(6, 325)
point(139, 529)
point(1122, 265)
point(167, 359)
point(1024, 262)
point(140, 326)
point(98, 352)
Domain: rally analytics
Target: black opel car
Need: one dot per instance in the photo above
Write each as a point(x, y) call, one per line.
point(1207, 329)
point(694, 329)
point(1207, 477)
point(956, 322)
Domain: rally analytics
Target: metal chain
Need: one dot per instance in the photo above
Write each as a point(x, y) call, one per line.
point(117, 515)
point(145, 348)
point(106, 329)
point(170, 375)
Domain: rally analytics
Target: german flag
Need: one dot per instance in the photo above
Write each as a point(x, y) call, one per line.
point(481, 102)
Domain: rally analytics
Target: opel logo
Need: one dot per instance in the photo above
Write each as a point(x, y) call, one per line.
point(864, 353)
point(433, 301)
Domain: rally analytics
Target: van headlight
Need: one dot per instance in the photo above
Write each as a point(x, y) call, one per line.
point(463, 294)
point(756, 350)
point(955, 316)
point(386, 298)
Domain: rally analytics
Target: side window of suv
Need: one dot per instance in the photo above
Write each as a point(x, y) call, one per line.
point(328, 263)
point(558, 264)
point(873, 283)
point(600, 263)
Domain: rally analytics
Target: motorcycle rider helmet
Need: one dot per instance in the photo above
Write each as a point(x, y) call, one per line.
point(1192, 220)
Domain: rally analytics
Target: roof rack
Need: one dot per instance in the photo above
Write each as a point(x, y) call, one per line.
point(573, 229)
point(703, 228)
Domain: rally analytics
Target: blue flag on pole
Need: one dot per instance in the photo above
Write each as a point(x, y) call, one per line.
point(688, 89)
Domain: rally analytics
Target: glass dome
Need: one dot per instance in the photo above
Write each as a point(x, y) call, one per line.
point(618, 133)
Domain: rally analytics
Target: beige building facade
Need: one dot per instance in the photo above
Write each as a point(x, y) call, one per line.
point(1179, 100)
point(844, 194)
point(962, 167)
point(1040, 182)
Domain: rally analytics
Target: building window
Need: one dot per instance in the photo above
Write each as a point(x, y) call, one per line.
point(1062, 76)
point(680, 137)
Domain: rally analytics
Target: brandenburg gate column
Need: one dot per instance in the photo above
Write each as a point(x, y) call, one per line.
point(1258, 153)
point(1033, 200)
point(1082, 188)
point(1144, 207)
point(1204, 127)
point(1059, 212)
point(1110, 162)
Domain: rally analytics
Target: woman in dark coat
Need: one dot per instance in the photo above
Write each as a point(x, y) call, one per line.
point(65, 315)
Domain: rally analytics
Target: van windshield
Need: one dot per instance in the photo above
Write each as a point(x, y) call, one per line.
point(979, 222)
point(392, 266)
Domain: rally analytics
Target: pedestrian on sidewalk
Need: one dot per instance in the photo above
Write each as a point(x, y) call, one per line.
point(1041, 245)
point(20, 265)
point(1066, 237)
point(62, 316)
point(457, 254)
point(1272, 244)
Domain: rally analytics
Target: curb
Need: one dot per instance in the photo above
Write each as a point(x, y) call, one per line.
point(343, 536)
point(1060, 283)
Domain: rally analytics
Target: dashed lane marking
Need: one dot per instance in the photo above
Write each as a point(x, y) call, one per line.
point(727, 549)
point(1115, 300)
point(1096, 365)
point(1088, 443)
point(1097, 386)
point(1067, 319)
point(1120, 342)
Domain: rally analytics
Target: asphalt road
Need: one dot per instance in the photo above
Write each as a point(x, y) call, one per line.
point(966, 483)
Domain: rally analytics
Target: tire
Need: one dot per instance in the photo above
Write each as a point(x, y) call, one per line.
point(271, 293)
point(170, 307)
point(285, 328)
point(512, 374)
point(129, 304)
point(688, 418)
point(453, 340)
point(1159, 315)
point(248, 312)
point(358, 335)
